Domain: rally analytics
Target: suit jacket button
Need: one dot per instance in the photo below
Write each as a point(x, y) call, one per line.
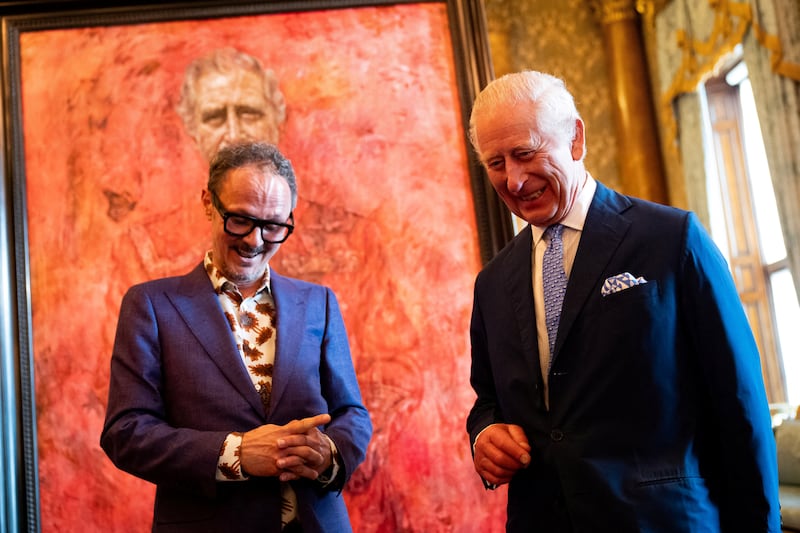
point(557, 435)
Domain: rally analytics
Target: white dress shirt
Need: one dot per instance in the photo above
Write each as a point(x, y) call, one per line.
point(573, 226)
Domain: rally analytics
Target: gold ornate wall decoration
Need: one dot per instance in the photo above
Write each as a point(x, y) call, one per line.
point(648, 9)
point(700, 57)
point(772, 43)
point(610, 11)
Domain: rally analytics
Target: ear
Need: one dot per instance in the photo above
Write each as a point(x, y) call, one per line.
point(205, 198)
point(578, 141)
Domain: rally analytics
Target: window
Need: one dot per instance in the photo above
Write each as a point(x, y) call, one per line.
point(745, 224)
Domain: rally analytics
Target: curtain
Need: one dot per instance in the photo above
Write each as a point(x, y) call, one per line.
point(772, 54)
point(692, 38)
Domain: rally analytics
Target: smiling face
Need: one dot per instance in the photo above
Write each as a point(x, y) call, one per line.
point(255, 192)
point(537, 171)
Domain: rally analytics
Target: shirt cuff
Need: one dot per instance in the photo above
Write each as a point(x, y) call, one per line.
point(328, 476)
point(229, 466)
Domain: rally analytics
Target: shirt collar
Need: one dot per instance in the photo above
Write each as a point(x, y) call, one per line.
point(222, 284)
point(576, 217)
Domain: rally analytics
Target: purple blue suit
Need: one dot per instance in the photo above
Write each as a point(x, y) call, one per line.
point(179, 387)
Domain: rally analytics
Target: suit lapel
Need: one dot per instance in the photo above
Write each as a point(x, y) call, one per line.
point(198, 305)
point(290, 325)
point(603, 232)
point(519, 285)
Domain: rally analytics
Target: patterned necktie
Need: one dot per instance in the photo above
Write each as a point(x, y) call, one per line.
point(554, 282)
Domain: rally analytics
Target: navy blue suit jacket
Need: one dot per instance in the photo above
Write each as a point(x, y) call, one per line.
point(658, 417)
point(178, 388)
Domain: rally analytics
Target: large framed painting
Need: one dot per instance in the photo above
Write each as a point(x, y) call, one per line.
point(109, 118)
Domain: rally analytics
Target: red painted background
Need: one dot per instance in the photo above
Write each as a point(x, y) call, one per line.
point(385, 218)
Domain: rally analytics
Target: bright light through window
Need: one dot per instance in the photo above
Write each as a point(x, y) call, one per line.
point(767, 222)
point(773, 249)
point(787, 317)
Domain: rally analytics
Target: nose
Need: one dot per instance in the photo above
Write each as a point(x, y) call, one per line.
point(232, 128)
point(253, 239)
point(515, 176)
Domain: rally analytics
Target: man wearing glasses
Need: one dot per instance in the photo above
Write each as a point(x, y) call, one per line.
point(232, 387)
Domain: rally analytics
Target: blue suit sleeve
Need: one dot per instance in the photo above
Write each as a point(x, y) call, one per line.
point(350, 426)
point(729, 359)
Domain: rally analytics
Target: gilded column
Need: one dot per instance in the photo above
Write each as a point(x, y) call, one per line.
point(640, 159)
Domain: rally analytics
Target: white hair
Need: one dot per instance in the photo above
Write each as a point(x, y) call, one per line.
point(555, 106)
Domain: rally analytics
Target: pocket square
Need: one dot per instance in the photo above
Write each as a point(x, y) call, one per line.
point(620, 282)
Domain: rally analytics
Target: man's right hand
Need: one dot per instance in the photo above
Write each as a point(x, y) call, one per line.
point(501, 450)
point(264, 446)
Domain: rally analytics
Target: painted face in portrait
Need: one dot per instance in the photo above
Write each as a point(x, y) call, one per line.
point(537, 171)
point(232, 107)
point(254, 193)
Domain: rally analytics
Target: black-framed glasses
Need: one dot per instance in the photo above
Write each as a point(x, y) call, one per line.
point(241, 225)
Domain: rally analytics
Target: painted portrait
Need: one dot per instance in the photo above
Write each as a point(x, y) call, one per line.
point(119, 122)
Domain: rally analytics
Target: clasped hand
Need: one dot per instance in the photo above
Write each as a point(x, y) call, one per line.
point(297, 449)
point(501, 450)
